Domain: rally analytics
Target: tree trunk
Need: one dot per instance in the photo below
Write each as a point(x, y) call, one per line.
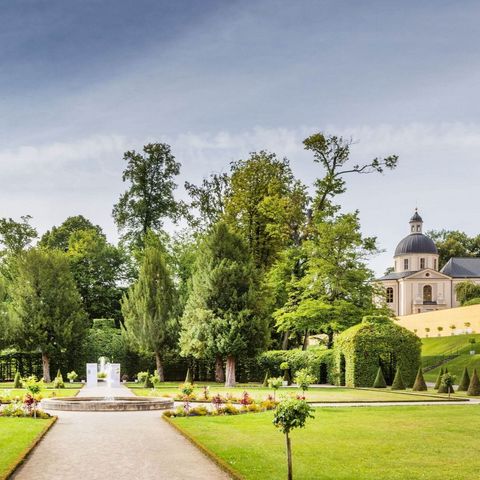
point(219, 372)
point(46, 368)
point(289, 458)
point(159, 363)
point(285, 341)
point(230, 380)
point(330, 339)
point(305, 340)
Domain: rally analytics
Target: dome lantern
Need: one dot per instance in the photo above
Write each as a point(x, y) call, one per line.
point(416, 223)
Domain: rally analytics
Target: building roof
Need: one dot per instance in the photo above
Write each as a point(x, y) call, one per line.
point(462, 268)
point(396, 275)
point(416, 217)
point(416, 243)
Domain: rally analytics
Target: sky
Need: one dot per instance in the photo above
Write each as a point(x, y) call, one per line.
point(82, 82)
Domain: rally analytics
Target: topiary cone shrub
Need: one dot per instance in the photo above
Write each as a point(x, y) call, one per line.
point(265, 380)
point(17, 381)
point(445, 386)
point(148, 381)
point(188, 377)
point(420, 385)
point(379, 380)
point(438, 382)
point(398, 381)
point(474, 387)
point(465, 381)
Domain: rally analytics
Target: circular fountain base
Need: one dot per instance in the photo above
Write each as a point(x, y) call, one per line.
point(114, 404)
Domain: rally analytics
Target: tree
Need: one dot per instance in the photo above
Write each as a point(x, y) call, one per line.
point(223, 316)
point(380, 379)
point(474, 387)
point(16, 236)
point(148, 306)
point(398, 383)
point(466, 291)
point(420, 385)
point(149, 199)
point(438, 381)
point(46, 306)
point(333, 154)
point(453, 243)
point(465, 381)
point(447, 383)
point(304, 378)
point(290, 414)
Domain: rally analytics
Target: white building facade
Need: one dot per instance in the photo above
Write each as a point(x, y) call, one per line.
point(416, 285)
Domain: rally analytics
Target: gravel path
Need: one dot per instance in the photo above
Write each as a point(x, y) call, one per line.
point(116, 446)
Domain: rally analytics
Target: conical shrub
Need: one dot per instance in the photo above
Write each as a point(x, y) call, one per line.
point(438, 382)
point(379, 380)
point(398, 383)
point(17, 381)
point(265, 380)
point(420, 385)
point(465, 381)
point(59, 375)
point(474, 387)
point(148, 381)
point(443, 388)
point(188, 377)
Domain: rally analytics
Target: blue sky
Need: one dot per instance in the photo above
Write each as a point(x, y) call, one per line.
point(80, 82)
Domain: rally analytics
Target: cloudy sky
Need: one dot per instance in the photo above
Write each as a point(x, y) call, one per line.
point(81, 82)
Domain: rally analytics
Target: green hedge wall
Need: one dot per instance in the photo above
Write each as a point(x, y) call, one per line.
point(376, 341)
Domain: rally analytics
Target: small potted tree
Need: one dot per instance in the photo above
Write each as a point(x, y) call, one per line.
point(439, 331)
point(285, 368)
point(472, 348)
point(452, 328)
point(275, 383)
point(427, 331)
point(72, 376)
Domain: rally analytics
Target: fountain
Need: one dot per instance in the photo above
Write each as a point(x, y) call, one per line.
point(107, 404)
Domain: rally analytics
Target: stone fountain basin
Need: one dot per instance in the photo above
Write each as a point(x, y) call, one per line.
point(111, 404)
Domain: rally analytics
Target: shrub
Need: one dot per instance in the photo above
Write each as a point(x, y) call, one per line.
point(246, 399)
point(148, 381)
point(187, 389)
point(465, 381)
point(188, 377)
point(230, 409)
point(72, 376)
point(447, 384)
point(17, 381)
point(438, 382)
point(474, 387)
point(269, 404)
point(275, 383)
point(379, 379)
point(254, 408)
point(58, 382)
point(398, 380)
point(473, 301)
point(420, 385)
point(265, 380)
point(304, 379)
point(217, 401)
point(198, 411)
point(142, 376)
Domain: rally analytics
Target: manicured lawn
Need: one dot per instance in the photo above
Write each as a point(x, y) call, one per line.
point(448, 344)
point(394, 443)
point(6, 389)
point(16, 437)
point(328, 394)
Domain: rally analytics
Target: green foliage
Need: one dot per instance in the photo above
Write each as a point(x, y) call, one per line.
point(188, 376)
point(142, 376)
point(376, 339)
point(446, 386)
point(474, 387)
point(275, 383)
point(17, 381)
point(467, 291)
point(473, 301)
point(265, 380)
point(149, 199)
point(465, 381)
point(16, 236)
point(291, 414)
point(420, 385)
point(58, 382)
point(438, 382)
point(454, 244)
point(380, 379)
point(187, 388)
point(398, 381)
point(148, 381)
point(303, 378)
point(72, 376)
point(33, 385)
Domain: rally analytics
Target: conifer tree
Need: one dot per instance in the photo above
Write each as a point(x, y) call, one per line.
point(188, 376)
point(438, 382)
point(474, 387)
point(420, 385)
point(148, 381)
point(465, 381)
point(398, 383)
point(380, 379)
point(17, 381)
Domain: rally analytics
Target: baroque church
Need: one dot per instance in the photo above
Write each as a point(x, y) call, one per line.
point(416, 285)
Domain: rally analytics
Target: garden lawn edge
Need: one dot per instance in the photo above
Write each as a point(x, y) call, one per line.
point(212, 456)
point(26, 452)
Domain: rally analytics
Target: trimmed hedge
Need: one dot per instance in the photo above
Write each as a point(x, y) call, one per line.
point(465, 381)
point(398, 381)
point(420, 385)
point(379, 380)
point(474, 387)
point(376, 341)
point(438, 381)
point(317, 360)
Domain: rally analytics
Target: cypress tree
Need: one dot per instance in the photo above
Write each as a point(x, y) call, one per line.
point(379, 380)
point(474, 387)
point(438, 382)
point(59, 375)
point(420, 385)
point(188, 377)
point(398, 381)
point(17, 381)
point(465, 381)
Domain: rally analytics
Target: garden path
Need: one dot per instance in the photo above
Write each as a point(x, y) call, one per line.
point(115, 445)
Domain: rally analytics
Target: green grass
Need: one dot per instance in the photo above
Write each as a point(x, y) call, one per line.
point(449, 344)
point(394, 443)
point(72, 389)
point(456, 366)
point(328, 394)
point(16, 437)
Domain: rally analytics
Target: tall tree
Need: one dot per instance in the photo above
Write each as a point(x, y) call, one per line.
point(46, 307)
point(149, 199)
point(453, 243)
point(266, 205)
point(223, 317)
point(149, 305)
point(16, 236)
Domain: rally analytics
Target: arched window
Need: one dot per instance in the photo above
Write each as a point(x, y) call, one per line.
point(427, 293)
point(389, 295)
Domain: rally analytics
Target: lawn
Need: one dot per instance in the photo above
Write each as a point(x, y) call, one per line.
point(322, 394)
point(446, 345)
point(394, 443)
point(7, 390)
point(16, 437)
point(456, 366)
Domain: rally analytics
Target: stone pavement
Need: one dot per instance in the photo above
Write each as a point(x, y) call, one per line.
point(116, 446)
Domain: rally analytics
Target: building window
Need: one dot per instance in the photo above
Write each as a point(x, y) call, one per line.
point(422, 263)
point(435, 264)
point(405, 264)
point(427, 293)
point(418, 228)
point(389, 295)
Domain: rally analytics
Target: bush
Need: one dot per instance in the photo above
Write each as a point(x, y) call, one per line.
point(188, 377)
point(58, 383)
point(379, 379)
point(420, 385)
point(142, 376)
point(230, 409)
point(187, 389)
point(474, 387)
point(265, 380)
point(72, 376)
point(438, 382)
point(275, 383)
point(148, 381)
point(198, 411)
point(465, 381)
point(398, 381)
point(447, 384)
point(304, 379)
point(473, 301)
point(17, 381)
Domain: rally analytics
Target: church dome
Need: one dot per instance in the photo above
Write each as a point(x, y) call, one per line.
point(416, 243)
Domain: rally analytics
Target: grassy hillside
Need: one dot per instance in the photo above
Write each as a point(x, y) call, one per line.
point(448, 344)
point(456, 366)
